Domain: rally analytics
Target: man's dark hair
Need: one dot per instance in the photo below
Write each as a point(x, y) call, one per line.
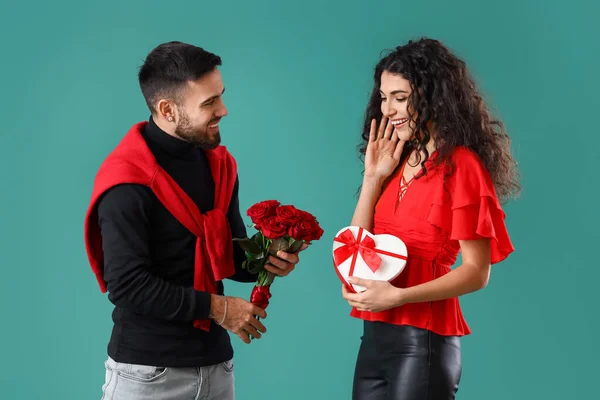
point(169, 67)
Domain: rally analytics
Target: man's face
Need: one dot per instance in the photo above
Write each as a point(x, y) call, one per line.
point(200, 111)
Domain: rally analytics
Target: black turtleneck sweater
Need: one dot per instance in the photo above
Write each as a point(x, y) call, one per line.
point(149, 264)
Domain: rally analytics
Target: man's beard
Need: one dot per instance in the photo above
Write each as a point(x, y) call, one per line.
point(196, 135)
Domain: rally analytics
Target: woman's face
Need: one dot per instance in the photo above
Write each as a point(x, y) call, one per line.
point(395, 90)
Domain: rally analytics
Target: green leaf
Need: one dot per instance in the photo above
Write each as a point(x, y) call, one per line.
point(258, 239)
point(253, 257)
point(254, 268)
point(257, 266)
point(248, 245)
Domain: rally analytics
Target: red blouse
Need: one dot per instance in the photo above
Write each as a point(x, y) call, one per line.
point(431, 216)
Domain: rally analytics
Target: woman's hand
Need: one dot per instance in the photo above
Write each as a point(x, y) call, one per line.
point(379, 296)
point(383, 150)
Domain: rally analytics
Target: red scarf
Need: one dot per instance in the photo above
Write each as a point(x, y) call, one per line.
point(133, 162)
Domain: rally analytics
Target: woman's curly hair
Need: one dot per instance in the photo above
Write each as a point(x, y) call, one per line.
point(445, 98)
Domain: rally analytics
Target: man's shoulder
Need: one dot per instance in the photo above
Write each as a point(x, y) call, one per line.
point(126, 198)
point(130, 162)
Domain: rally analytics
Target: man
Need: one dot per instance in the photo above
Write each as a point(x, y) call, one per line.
point(159, 231)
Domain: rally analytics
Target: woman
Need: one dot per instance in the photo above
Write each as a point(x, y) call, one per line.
point(436, 166)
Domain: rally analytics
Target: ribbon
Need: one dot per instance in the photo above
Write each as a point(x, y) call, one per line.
point(363, 245)
point(260, 296)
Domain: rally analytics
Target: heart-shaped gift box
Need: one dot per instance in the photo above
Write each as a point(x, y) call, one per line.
point(357, 252)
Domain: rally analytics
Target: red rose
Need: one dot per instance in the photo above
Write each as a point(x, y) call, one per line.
point(272, 228)
point(301, 230)
point(288, 215)
point(305, 215)
point(316, 231)
point(306, 228)
point(262, 210)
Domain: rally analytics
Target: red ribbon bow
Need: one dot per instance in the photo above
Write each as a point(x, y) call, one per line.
point(352, 246)
point(363, 245)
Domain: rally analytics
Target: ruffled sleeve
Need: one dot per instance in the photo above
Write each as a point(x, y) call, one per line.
point(473, 210)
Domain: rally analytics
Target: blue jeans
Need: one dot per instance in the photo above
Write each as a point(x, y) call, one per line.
point(142, 382)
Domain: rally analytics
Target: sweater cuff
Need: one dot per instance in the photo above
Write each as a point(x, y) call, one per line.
point(202, 309)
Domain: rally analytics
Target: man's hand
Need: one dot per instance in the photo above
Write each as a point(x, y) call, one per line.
point(285, 264)
point(379, 296)
point(240, 318)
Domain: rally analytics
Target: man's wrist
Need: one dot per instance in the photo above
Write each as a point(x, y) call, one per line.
point(217, 307)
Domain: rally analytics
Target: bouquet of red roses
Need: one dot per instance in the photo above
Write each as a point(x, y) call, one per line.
point(280, 227)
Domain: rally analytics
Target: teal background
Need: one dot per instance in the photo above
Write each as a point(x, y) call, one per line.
point(298, 77)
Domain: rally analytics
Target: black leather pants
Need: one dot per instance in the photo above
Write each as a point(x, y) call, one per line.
point(406, 363)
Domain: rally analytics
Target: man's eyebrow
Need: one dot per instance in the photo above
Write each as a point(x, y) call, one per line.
point(213, 97)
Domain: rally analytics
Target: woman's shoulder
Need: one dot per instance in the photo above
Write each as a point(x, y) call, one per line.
point(469, 177)
point(465, 163)
point(463, 156)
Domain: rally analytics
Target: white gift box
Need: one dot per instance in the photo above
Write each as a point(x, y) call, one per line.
point(357, 252)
